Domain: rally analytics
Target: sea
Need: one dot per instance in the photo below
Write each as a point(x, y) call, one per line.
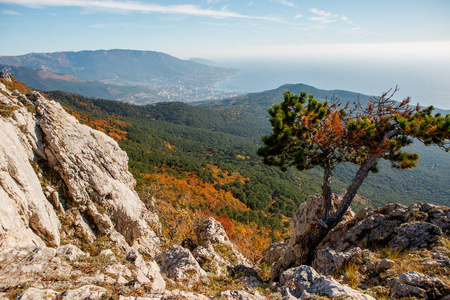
point(427, 82)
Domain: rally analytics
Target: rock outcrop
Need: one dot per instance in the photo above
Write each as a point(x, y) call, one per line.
point(306, 217)
point(101, 199)
point(416, 226)
point(303, 282)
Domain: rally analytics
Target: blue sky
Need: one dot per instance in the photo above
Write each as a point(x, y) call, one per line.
point(229, 28)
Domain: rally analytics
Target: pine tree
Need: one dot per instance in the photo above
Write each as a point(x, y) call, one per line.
point(307, 133)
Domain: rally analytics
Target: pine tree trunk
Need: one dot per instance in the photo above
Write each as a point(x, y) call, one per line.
point(304, 248)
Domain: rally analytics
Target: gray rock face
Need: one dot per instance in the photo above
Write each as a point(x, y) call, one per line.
point(26, 216)
point(304, 282)
point(400, 226)
point(415, 284)
point(38, 294)
point(85, 292)
point(416, 236)
point(91, 164)
point(306, 219)
point(95, 171)
point(211, 232)
point(327, 260)
point(28, 264)
point(274, 252)
point(179, 263)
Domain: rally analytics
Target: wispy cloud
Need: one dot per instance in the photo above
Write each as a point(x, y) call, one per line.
point(122, 6)
point(347, 20)
point(10, 13)
point(322, 16)
point(298, 16)
point(284, 2)
point(328, 17)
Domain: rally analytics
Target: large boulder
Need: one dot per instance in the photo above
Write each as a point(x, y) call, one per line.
point(178, 263)
point(409, 227)
point(305, 224)
point(415, 284)
point(211, 232)
point(304, 281)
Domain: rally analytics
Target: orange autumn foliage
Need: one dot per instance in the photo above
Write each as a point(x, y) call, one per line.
point(182, 203)
point(108, 125)
point(15, 85)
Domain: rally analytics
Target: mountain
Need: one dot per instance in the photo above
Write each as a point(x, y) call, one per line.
point(172, 78)
point(48, 81)
point(256, 104)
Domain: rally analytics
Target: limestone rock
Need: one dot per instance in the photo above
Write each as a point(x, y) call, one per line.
point(212, 236)
point(274, 252)
point(182, 295)
point(306, 220)
point(240, 295)
point(38, 294)
point(211, 232)
point(70, 252)
point(415, 236)
point(95, 171)
point(416, 226)
point(28, 264)
point(179, 263)
point(383, 265)
point(5, 75)
point(210, 261)
point(91, 292)
point(327, 260)
point(304, 280)
point(26, 216)
point(415, 284)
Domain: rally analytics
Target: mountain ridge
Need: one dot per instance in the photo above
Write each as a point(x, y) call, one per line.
point(173, 78)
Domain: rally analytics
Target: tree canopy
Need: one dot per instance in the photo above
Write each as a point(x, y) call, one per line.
point(307, 133)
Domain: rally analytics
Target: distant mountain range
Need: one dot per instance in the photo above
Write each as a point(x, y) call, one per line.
point(127, 75)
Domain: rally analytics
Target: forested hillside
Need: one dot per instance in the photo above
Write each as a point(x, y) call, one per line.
point(428, 182)
point(203, 161)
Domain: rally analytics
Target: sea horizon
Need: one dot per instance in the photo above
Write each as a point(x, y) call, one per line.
point(425, 82)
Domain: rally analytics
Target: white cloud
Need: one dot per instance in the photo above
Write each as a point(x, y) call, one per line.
point(284, 2)
point(320, 12)
point(298, 16)
point(322, 19)
point(127, 6)
point(250, 3)
point(10, 12)
point(323, 16)
point(328, 17)
point(347, 20)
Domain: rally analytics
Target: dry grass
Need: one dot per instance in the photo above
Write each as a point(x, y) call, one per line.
point(350, 273)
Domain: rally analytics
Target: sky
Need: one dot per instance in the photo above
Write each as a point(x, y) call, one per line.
point(216, 29)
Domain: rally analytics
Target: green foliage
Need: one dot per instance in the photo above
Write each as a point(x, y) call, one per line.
point(177, 138)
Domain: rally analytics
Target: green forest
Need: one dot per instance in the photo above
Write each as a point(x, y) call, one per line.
point(179, 138)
